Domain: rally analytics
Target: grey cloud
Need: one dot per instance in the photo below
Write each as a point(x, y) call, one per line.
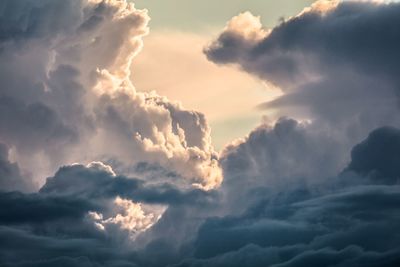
point(279, 215)
point(334, 62)
point(11, 177)
point(97, 182)
point(359, 34)
point(36, 209)
point(378, 156)
point(284, 200)
point(296, 225)
point(343, 228)
point(34, 222)
point(38, 120)
point(287, 154)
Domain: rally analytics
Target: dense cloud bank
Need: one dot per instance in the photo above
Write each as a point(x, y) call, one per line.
point(317, 192)
point(91, 216)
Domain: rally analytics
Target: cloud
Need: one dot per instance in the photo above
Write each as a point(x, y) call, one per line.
point(285, 199)
point(319, 231)
point(109, 219)
point(11, 178)
point(334, 62)
point(286, 154)
point(289, 44)
point(192, 72)
point(378, 156)
point(99, 215)
point(334, 65)
point(63, 103)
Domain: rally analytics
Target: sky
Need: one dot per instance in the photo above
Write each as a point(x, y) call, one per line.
point(201, 16)
point(179, 35)
point(199, 133)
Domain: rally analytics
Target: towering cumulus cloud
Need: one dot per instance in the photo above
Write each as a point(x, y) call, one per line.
point(95, 173)
point(66, 94)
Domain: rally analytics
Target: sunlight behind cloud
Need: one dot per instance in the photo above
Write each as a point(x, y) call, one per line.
point(173, 64)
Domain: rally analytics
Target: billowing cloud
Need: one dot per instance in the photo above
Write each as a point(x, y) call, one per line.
point(322, 231)
point(61, 102)
point(322, 191)
point(334, 62)
point(107, 220)
point(328, 221)
point(99, 214)
point(286, 154)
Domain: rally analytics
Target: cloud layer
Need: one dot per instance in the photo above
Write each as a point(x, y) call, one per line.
point(321, 189)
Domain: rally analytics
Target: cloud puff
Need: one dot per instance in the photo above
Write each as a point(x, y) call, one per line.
point(61, 102)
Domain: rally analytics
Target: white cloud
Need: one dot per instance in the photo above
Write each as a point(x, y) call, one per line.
point(80, 68)
point(130, 216)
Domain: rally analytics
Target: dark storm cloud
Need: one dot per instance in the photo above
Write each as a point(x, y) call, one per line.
point(378, 156)
point(343, 228)
point(35, 208)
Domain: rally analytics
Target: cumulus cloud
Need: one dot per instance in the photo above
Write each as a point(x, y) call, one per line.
point(295, 192)
point(61, 102)
point(99, 214)
point(334, 62)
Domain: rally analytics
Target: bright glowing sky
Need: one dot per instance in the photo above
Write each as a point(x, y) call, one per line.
point(172, 62)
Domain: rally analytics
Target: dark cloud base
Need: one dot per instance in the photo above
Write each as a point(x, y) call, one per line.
point(341, 224)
